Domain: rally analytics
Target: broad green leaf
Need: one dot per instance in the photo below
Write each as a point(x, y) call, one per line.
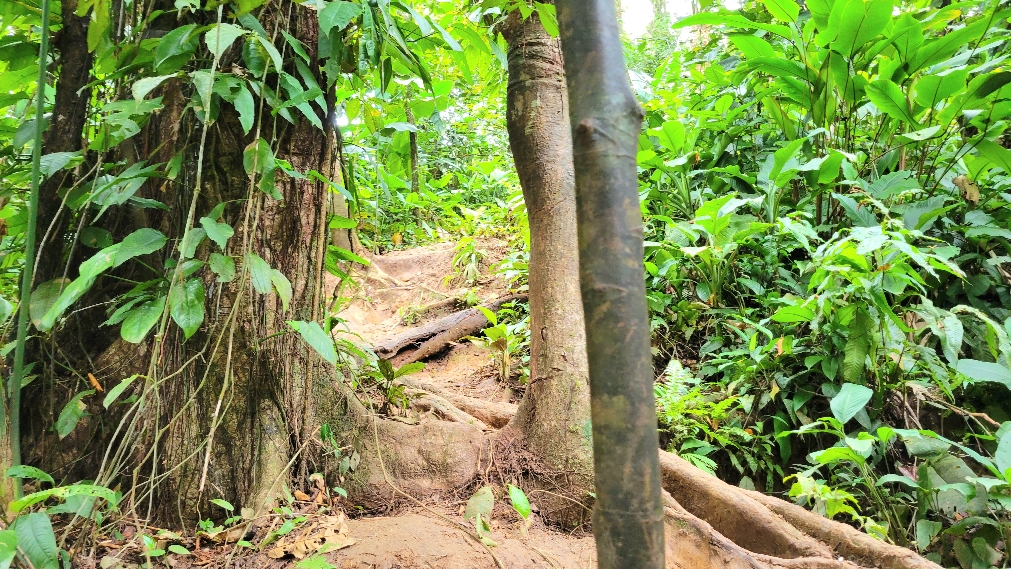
point(64, 492)
point(191, 240)
point(283, 287)
point(216, 231)
point(783, 10)
point(856, 22)
point(178, 549)
point(858, 345)
point(727, 18)
point(72, 413)
point(408, 369)
point(44, 297)
point(186, 303)
point(1002, 456)
point(519, 501)
point(787, 314)
point(338, 15)
point(925, 532)
point(275, 56)
point(224, 504)
point(850, 400)
point(752, 46)
point(8, 547)
point(36, 539)
point(175, 48)
point(995, 153)
point(140, 242)
point(314, 335)
point(977, 370)
point(889, 98)
point(144, 86)
point(203, 82)
point(118, 390)
point(480, 504)
point(259, 272)
point(223, 266)
point(25, 471)
point(931, 89)
point(55, 161)
point(221, 36)
point(141, 319)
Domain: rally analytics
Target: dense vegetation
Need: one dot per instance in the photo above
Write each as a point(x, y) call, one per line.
point(826, 192)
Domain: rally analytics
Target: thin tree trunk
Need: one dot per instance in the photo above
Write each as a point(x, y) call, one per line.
point(606, 121)
point(554, 414)
point(64, 133)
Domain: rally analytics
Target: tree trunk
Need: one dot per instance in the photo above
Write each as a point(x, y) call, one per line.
point(553, 417)
point(64, 134)
point(606, 121)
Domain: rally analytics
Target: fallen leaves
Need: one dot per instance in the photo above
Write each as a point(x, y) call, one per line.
point(321, 535)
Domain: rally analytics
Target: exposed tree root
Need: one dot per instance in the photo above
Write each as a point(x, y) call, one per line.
point(710, 524)
point(492, 413)
point(433, 337)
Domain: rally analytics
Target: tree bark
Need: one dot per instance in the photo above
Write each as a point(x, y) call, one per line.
point(554, 414)
point(65, 132)
point(606, 121)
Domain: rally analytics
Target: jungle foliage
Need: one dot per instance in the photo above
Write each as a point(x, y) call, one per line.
point(826, 189)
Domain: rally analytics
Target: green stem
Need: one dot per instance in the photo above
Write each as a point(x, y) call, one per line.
point(28, 274)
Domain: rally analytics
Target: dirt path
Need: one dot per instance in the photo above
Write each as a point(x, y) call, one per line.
point(394, 288)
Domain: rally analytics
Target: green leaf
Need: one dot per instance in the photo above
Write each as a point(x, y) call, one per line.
point(218, 232)
point(144, 86)
point(480, 504)
point(64, 492)
point(25, 471)
point(984, 371)
point(275, 56)
point(36, 539)
point(408, 369)
point(727, 18)
point(856, 22)
point(227, 506)
point(889, 98)
point(925, 531)
point(283, 287)
point(186, 303)
point(783, 10)
point(72, 413)
point(1002, 456)
point(55, 161)
point(337, 15)
point(178, 549)
point(314, 335)
point(141, 242)
point(858, 345)
point(8, 547)
point(175, 48)
point(787, 314)
point(223, 266)
point(259, 272)
point(191, 240)
point(115, 392)
point(995, 153)
point(850, 400)
point(141, 319)
point(520, 502)
point(221, 36)
point(930, 89)
point(44, 297)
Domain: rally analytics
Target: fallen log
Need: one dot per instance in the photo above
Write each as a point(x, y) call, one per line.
point(432, 338)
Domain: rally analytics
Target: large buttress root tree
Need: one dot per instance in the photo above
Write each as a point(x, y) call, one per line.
point(553, 417)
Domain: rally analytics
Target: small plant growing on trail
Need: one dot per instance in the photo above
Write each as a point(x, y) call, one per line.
point(467, 260)
point(479, 508)
point(521, 505)
point(385, 375)
point(504, 340)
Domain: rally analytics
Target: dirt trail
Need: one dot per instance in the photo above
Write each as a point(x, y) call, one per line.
point(392, 290)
